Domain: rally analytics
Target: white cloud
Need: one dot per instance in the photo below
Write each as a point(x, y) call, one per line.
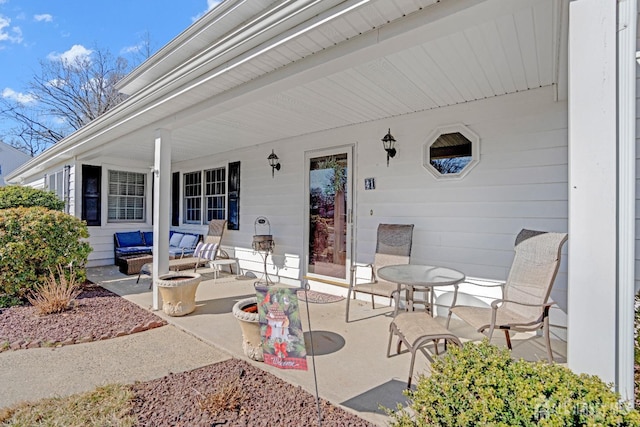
point(22, 98)
point(8, 33)
point(43, 17)
point(76, 53)
point(210, 5)
point(132, 49)
point(213, 3)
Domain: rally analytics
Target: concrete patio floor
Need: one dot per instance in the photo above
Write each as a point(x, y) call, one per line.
point(352, 369)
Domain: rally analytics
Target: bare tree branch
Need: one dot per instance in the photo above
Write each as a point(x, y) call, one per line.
point(65, 96)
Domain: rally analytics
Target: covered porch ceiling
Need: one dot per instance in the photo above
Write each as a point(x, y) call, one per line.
point(357, 62)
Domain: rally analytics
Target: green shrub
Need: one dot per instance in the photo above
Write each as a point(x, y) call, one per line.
point(15, 196)
point(481, 385)
point(34, 241)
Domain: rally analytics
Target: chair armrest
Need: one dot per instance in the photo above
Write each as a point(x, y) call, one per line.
point(481, 285)
point(484, 285)
point(495, 303)
point(355, 266)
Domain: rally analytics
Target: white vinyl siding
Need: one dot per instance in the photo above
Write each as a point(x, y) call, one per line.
point(126, 198)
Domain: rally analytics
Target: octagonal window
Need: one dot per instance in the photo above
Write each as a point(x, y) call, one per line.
point(451, 152)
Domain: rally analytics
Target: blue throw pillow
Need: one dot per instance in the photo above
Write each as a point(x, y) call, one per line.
point(130, 238)
point(148, 238)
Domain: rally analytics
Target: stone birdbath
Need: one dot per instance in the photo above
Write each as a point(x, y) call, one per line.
point(246, 311)
point(178, 291)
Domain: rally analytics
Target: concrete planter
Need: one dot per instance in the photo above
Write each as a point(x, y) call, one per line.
point(250, 325)
point(178, 291)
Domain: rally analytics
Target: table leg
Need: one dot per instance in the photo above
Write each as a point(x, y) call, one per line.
point(410, 291)
point(431, 302)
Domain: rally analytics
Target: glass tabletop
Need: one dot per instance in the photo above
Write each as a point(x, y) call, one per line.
point(420, 275)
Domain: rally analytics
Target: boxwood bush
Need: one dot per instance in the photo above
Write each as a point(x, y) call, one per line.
point(16, 196)
point(481, 385)
point(33, 242)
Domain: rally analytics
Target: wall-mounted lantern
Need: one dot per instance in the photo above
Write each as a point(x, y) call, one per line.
point(273, 162)
point(388, 142)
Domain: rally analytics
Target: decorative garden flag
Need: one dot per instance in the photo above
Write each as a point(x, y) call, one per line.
point(280, 328)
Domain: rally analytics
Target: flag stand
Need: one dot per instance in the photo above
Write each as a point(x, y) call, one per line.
point(313, 355)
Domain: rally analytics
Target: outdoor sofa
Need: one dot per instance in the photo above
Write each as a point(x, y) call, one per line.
point(138, 243)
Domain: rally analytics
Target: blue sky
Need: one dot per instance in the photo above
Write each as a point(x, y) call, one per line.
point(32, 30)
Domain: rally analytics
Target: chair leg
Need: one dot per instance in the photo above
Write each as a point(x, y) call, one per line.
point(390, 339)
point(547, 337)
point(508, 338)
point(413, 360)
point(346, 315)
point(373, 302)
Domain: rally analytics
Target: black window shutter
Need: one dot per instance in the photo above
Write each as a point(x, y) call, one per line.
point(233, 213)
point(175, 199)
point(91, 186)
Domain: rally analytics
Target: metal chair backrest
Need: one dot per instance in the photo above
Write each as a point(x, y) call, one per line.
point(534, 269)
point(393, 245)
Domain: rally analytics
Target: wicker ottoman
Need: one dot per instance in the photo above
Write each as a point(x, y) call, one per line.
point(133, 263)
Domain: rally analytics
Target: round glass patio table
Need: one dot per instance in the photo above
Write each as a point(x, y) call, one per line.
point(421, 277)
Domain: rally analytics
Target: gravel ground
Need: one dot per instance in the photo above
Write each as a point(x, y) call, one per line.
point(229, 393)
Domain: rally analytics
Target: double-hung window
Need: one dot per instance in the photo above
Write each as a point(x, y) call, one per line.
point(56, 184)
point(126, 199)
point(215, 193)
point(193, 197)
point(205, 194)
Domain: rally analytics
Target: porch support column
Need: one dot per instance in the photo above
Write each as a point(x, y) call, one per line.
point(627, 39)
point(161, 208)
point(598, 287)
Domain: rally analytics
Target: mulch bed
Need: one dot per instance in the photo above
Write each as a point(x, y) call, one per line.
point(206, 397)
point(97, 314)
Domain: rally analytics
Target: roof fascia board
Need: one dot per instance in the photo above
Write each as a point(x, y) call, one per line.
point(210, 18)
point(176, 82)
point(227, 51)
point(225, 44)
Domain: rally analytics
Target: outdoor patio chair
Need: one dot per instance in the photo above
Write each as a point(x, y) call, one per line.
point(524, 305)
point(393, 246)
point(207, 252)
